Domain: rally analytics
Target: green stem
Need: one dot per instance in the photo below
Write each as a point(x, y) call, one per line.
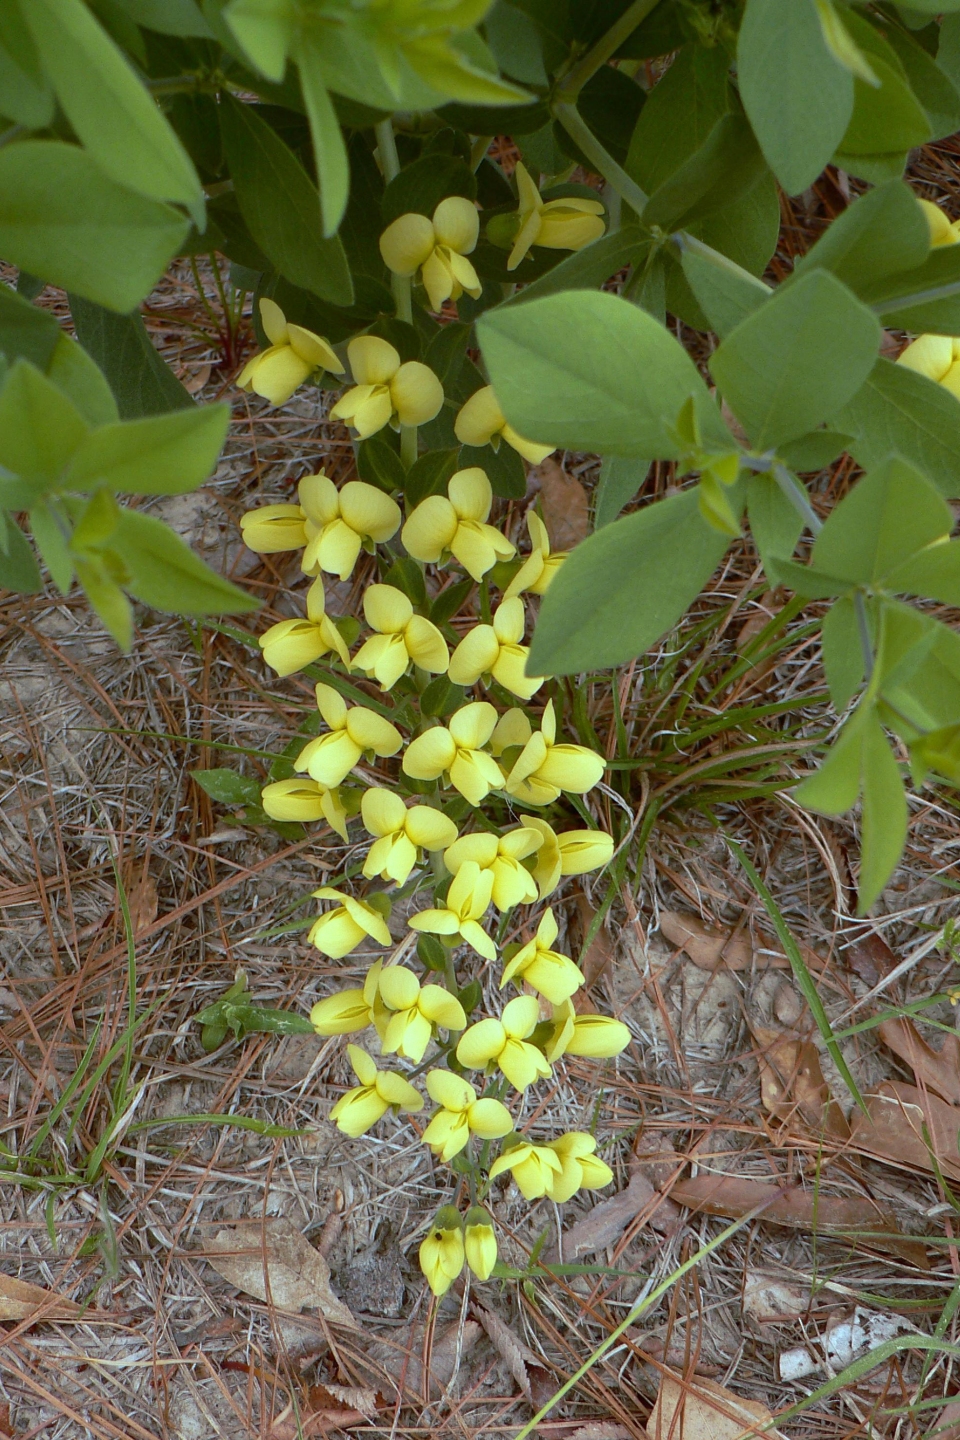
point(797, 496)
point(408, 443)
point(684, 241)
point(606, 46)
point(600, 158)
point(390, 164)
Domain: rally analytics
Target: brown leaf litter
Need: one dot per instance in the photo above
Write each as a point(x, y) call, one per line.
point(270, 1260)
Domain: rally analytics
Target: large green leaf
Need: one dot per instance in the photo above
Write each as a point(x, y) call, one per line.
point(587, 269)
point(166, 574)
point(784, 368)
point(934, 573)
point(281, 206)
point(883, 233)
point(725, 295)
point(620, 478)
point(623, 587)
point(420, 186)
point(140, 380)
point(26, 331)
point(681, 111)
point(25, 93)
point(590, 371)
point(936, 92)
point(925, 300)
point(329, 149)
point(73, 372)
point(898, 412)
point(115, 117)
point(19, 570)
point(884, 823)
point(170, 17)
point(798, 98)
point(162, 455)
point(888, 120)
point(40, 428)
point(723, 169)
point(882, 522)
point(62, 218)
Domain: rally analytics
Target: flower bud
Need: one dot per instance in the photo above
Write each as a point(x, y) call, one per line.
point(441, 1253)
point(480, 1242)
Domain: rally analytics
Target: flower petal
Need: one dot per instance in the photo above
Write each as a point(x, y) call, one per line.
point(470, 493)
point(472, 725)
point(435, 922)
point(369, 511)
point(426, 757)
point(331, 705)
point(416, 393)
point(449, 1090)
point(355, 1112)
point(277, 373)
point(478, 939)
point(399, 987)
point(314, 349)
point(489, 1119)
point(474, 774)
point(521, 1063)
point(274, 321)
point(337, 549)
point(382, 811)
point(597, 1036)
point(331, 758)
point(438, 279)
point(457, 223)
point(510, 671)
point(364, 1067)
point(529, 449)
point(430, 529)
point(426, 646)
point(481, 1044)
point(397, 1091)
point(294, 799)
point(481, 847)
point(472, 547)
point(386, 609)
point(335, 935)
point(478, 420)
point(341, 1014)
point(372, 732)
point(292, 644)
point(372, 361)
point(583, 850)
point(520, 1016)
point(476, 655)
point(573, 768)
point(406, 243)
point(273, 528)
point(429, 829)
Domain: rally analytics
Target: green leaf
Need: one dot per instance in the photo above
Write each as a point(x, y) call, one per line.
point(813, 451)
point(419, 187)
point(938, 750)
point(879, 235)
point(169, 17)
point(898, 412)
point(378, 463)
point(727, 165)
point(26, 94)
point(842, 652)
point(884, 823)
point(504, 468)
point(884, 520)
point(586, 269)
point(429, 475)
point(162, 455)
point(116, 119)
point(805, 580)
point(936, 92)
point(26, 331)
point(40, 429)
point(926, 299)
point(141, 381)
point(624, 587)
point(108, 600)
point(168, 576)
point(51, 540)
point(62, 218)
point(834, 788)
point(19, 570)
point(281, 206)
point(725, 294)
point(590, 371)
point(227, 787)
point(798, 98)
point(933, 573)
point(73, 372)
point(784, 368)
point(620, 479)
point(886, 120)
point(774, 523)
point(329, 150)
point(405, 574)
point(448, 602)
point(681, 111)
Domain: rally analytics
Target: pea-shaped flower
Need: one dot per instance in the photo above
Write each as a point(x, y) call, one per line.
point(291, 644)
point(496, 650)
point(468, 900)
point(504, 1043)
point(345, 927)
point(329, 758)
point(348, 1011)
point(462, 1115)
point(437, 248)
point(400, 833)
point(480, 421)
point(540, 566)
point(513, 883)
point(580, 1168)
point(402, 638)
point(272, 528)
point(456, 749)
point(551, 973)
point(303, 799)
point(293, 356)
point(573, 852)
point(533, 1166)
point(441, 1253)
point(595, 1037)
point(418, 1010)
point(456, 522)
point(340, 522)
point(358, 1109)
point(543, 768)
point(566, 224)
point(937, 357)
point(479, 1242)
point(386, 392)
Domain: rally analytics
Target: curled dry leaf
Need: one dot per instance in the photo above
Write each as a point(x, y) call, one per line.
point(857, 1218)
point(518, 1359)
point(792, 1086)
point(870, 958)
point(252, 1253)
point(940, 1069)
point(706, 1411)
point(708, 946)
point(566, 509)
point(327, 1407)
point(893, 1129)
point(21, 1301)
point(768, 1300)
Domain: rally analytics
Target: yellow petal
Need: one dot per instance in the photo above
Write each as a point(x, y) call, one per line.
point(372, 732)
point(583, 850)
point(510, 671)
point(930, 355)
point(362, 1064)
point(315, 350)
point(341, 1014)
point(399, 987)
point(369, 511)
point(597, 1036)
point(278, 372)
point(573, 768)
point(527, 191)
point(520, 1016)
point(449, 1090)
point(527, 235)
point(273, 528)
point(480, 1248)
point(490, 1119)
point(951, 381)
point(529, 449)
point(294, 799)
point(481, 1044)
point(416, 393)
point(513, 728)
point(472, 725)
point(470, 493)
point(373, 412)
point(465, 275)
point(372, 361)
point(275, 322)
point(337, 549)
point(426, 646)
point(472, 546)
point(522, 1064)
point(397, 1091)
point(475, 774)
point(941, 230)
point(330, 758)
point(382, 811)
point(438, 279)
point(332, 706)
point(481, 848)
point(457, 223)
point(479, 419)
point(406, 243)
point(478, 939)
point(386, 609)
point(435, 922)
point(568, 230)
point(430, 754)
point(512, 884)
point(429, 829)
point(335, 935)
point(369, 919)
point(319, 498)
point(430, 529)
point(292, 644)
point(476, 655)
point(441, 1008)
point(384, 657)
point(357, 1111)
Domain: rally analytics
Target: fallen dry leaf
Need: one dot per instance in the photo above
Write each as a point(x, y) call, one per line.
point(706, 1411)
point(768, 1300)
point(299, 1277)
point(517, 1357)
point(792, 1083)
point(327, 1407)
point(142, 901)
point(940, 1069)
point(709, 947)
point(566, 509)
point(893, 1128)
point(768, 606)
point(192, 383)
point(870, 958)
point(852, 1218)
point(21, 1301)
point(606, 1222)
point(599, 952)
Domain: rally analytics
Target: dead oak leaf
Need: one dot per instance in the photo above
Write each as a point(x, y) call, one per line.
point(703, 1410)
point(708, 947)
point(792, 1086)
point(566, 509)
point(22, 1301)
point(940, 1069)
point(270, 1260)
point(909, 1129)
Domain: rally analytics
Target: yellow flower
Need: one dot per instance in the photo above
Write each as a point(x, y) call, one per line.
point(417, 1011)
point(495, 650)
point(468, 900)
point(480, 421)
point(294, 355)
point(273, 528)
point(329, 758)
point(456, 748)
point(349, 1010)
point(456, 522)
point(597, 1037)
point(339, 522)
point(358, 1109)
point(402, 638)
point(533, 1166)
point(942, 230)
point(438, 247)
point(342, 929)
point(937, 357)
point(501, 855)
point(552, 974)
point(400, 833)
point(544, 768)
point(441, 1253)
point(566, 224)
point(573, 852)
point(291, 644)
point(386, 392)
point(580, 1168)
point(462, 1115)
point(479, 1242)
point(504, 1043)
point(304, 800)
point(540, 566)
point(512, 731)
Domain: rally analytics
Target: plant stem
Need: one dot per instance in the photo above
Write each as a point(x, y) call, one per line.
point(604, 48)
point(408, 444)
point(863, 629)
point(797, 496)
point(684, 241)
point(599, 157)
point(390, 162)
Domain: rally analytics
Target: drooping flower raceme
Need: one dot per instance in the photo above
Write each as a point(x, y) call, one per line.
point(358, 1109)
point(386, 392)
point(540, 566)
point(438, 248)
point(300, 798)
point(565, 224)
point(496, 650)
point(504, 1043)
point(402, 638)
point(580, 1168)
point(551, 973)
point(329, 758)
point(291, 644)
point(418, 1010)
point(461, 1115)
point(400, 833)
point(468, 900)
point(293, 356)
point(544, 768)
point(345, 927)
point(456, 749)
point(533, 1167)
point(340, 522)
point(513, 883)
point(457, 522)
point(480, 421)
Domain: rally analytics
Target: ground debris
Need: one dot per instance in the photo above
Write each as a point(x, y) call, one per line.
point(703, 1410)
point(270, 1260)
